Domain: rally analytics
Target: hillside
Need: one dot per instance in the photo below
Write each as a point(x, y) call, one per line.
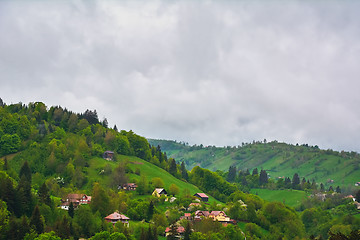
point(60, 174)
point(278, 159)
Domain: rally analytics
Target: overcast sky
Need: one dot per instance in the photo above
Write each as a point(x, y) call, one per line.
point(211, 72)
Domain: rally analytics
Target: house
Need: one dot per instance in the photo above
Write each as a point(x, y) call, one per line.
point(199, 215)
point(219, 216)
point(357, 184)
point(116, 217)
point(193, 205)
point(128, 186)
point(187, 216)
point(76, 199)
point(108, 155)
point(158, 192)
point(351, 196)
point(202, 196)
point(180, 231)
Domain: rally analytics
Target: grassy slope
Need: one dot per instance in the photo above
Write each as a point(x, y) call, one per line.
point(290, 197)
point(278, 159)
point(146, 168)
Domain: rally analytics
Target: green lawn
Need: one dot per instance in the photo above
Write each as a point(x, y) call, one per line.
point(290, 197)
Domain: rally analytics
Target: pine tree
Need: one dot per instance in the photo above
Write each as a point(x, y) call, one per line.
point(36, 221)
point(187, 231)
point(231, 174)
point(71, 210)
point(357, 196)
point(263, 179)
point(172, 167)
point(295, 181)
point(184, 173)
point(331, 189)
point(44, 195)
point(255, 172)
point(322, 187)
point(150, 210)
point(115, 128)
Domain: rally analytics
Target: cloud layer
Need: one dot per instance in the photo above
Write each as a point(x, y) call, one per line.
point(216, 73)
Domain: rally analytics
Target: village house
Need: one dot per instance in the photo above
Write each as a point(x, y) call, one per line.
point(108, 155)
point(180, 231)
point(187, 216)
point(158, 192)
point(199, 215)
point(219, 216)
point(128, 186)
point(202, 196)
point(117, 217)
point(357, 184)
point(75, 199)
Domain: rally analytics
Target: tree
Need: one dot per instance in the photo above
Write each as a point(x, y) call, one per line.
point(44, 195)
point(338, 190)
point(100, 201)
point(115, 128)
point(296, 181)
point(173, 189)
point(231, 174)
point(91, 116)
point(36, 221)
point(263, 179)
point(1, 103)
point(150, 210)
point(71, 210)
point(173, 233)
point(184, 173)
point(187, 232)
point(118, 176)
point(255, 172)
point(172, 167)
point(157, 182)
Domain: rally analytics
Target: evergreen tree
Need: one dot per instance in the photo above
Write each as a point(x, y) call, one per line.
point(331, 189)
point(44, 195)
point(150, 210)
point(71, 210)
point(187, 231)
point(295, 181)
point(231, 174)
point(6, 166)
point(115, 128)
point(255, 172)
point(322, 187)
point(36, 221)
point(1, 103)
point(184, 173)
point(247, 172)
point(24, 196)
point(263, 179)
point(338, 190)
point(172, 167)
point(25, 171)
point(173, 233)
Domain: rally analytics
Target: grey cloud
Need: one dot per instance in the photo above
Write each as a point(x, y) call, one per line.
point(217, 73)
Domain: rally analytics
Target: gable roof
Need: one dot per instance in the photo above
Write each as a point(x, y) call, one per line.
point(116, 216)
point(216, 213)
point(160, 190)
point(202, 195)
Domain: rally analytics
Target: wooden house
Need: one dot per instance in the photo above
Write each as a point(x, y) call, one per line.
point(202, 196)
point(158, 192)
point(108, 155)
point(116, 217)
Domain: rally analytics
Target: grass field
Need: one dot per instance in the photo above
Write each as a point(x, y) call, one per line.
point(146, 168)
point(290, 197)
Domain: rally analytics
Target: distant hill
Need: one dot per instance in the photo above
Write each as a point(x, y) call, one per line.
point(278, 159)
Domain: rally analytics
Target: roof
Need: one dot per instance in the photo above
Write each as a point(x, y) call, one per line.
point(77, 196)
point(117, 216)
point(179, 229)
point(204, 213)
point(187, 214)
point(195, 204)
point(130, 184)
point(215, 213)
point(109, 152)
point(202, 195)
point(159, 190)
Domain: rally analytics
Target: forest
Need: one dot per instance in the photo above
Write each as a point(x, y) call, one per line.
point(51, 153)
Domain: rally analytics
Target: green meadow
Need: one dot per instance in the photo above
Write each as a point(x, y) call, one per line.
point(289, 197)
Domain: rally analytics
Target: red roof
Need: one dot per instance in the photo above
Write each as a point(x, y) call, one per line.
point(202, 195)
point(187, 214)
point(117, 216)
point(179, 229)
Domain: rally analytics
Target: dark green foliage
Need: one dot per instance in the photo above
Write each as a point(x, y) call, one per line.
point(184, 172)
point(296, 181)
point(231, 174)
point(187, 232)
point(44, 195)
point(36, 220)
point(263, 178)
point(71, 210)
point(172, 167)
point(255, 171)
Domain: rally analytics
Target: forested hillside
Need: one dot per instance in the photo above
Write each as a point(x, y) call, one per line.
point(50, 156)
point(278, 159)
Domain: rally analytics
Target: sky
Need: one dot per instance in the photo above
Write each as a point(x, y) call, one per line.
point(203, 72)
